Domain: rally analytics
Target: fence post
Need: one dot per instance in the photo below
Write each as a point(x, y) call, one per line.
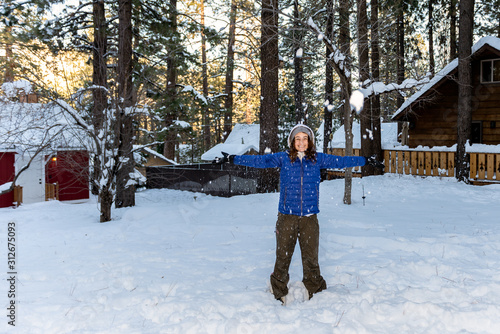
point(435, 163)
point(442, 163)
point(407, 162)
point(490, 166)
point(387, 161)
point(400, 162)
point(420, 163)
point(428, 163)
point(18, 195)
point(497, 170)
point(482, 166)
point(451, 164)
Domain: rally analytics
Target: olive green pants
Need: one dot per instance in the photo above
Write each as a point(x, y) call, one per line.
point(288, 229)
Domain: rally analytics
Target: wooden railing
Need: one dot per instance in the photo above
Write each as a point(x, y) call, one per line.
point(51, 191)
point(18, 195)
point(484, 167)
point(424, 163)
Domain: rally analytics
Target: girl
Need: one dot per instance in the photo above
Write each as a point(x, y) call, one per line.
point(298, 204)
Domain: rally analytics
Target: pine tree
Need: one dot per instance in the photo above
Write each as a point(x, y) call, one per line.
point(329, 81)
point(125, 191)
point(228, 91)
point(268, 180)
point(464, 120)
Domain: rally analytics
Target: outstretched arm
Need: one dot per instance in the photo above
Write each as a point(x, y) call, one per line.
point(336, 161)
point(260, 161)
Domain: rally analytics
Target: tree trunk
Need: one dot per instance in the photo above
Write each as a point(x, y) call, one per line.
point(464, 120)
point(9, 65)
point(375, 100)
point(366, 126)
point(106, 201)
point(228, 103)
point(432, 64)
point(300, 116)
point(268, 180)
point(206, 116)
point(401, 50)
point(345, 46)
point(125, 193)
point(328, 105)
point(453, 29)
point(99, 80)
point(171, 104)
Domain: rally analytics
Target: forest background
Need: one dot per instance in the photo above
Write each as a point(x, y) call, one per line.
point(177, 75)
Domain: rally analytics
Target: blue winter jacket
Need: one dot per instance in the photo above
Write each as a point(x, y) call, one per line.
point(299, 181)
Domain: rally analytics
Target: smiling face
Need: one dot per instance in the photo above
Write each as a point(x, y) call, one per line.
point(301, 141)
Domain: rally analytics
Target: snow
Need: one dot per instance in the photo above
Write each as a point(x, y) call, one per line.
point(11, 89)
point(357, 100)
point(377, 88)
point(493, 41)
point(5, 186)
point(299, 53)
point(389, 136)
point(182, 124)
point(242, 139)
point(197, 94)
point(421, 256)
point(28, 126)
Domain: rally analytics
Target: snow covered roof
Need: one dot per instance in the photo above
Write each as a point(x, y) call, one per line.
point(156, 154)
point(12, 89)
point(389, 134)
point(243, 138)
point(28, 126)
point(491, 41)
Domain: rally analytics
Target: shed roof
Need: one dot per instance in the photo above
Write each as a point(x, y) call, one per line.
point(156, 154)
point(243, 138)
point(28, 126)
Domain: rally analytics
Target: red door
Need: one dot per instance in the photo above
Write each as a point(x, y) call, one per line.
point(70, 169)
point(7, 172)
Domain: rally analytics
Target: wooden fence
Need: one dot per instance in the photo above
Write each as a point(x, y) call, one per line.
point(51, 191)
point(18, 195)
point(484, 167)
point(423, 163)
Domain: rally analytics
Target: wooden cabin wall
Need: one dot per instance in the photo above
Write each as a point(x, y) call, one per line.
point(434, 121)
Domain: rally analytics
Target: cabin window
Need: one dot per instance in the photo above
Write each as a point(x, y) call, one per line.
point(490, 70)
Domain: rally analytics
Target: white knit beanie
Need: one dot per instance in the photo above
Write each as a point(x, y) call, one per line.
point(297, 129)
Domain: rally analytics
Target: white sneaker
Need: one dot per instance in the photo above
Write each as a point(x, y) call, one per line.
point(306, 295)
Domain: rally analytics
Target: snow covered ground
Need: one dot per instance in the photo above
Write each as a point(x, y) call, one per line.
point(421, 256)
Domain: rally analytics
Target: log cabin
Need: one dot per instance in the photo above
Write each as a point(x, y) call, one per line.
point(431, 113)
